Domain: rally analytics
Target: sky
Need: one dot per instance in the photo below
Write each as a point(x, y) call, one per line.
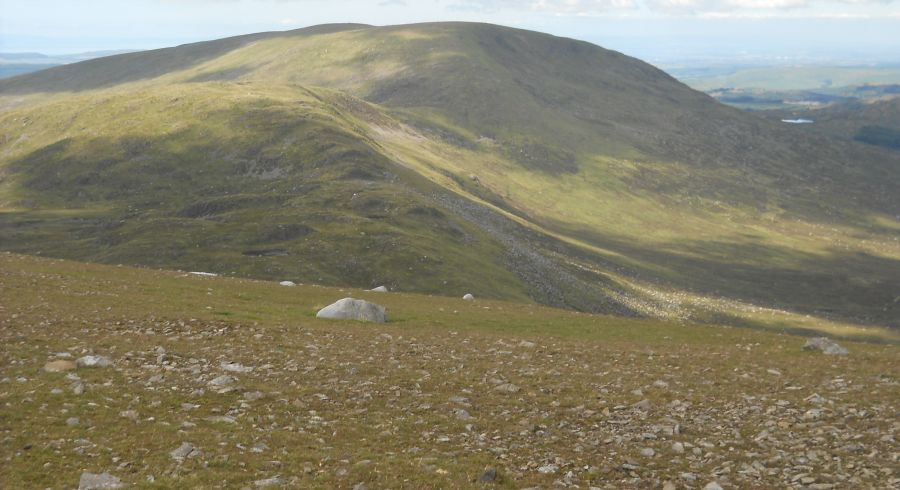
point(660, 31)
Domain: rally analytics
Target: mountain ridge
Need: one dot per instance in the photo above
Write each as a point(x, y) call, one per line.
point(644, 196)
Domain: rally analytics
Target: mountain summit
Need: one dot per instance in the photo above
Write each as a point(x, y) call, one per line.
point(449, 158)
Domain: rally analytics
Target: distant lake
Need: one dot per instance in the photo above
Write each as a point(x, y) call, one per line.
point(797, 121)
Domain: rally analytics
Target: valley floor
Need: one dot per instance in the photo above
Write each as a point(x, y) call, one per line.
point(263, 393)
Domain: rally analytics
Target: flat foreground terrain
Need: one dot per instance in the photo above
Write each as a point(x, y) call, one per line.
point(263, 393)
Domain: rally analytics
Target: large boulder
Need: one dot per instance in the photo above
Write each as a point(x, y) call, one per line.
point(826, 345)
point(380, 289)
point(354, 309)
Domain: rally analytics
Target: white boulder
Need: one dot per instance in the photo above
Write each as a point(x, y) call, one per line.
point(354, 309)
point(287, 283)
point(380, 289)
point(468, 297)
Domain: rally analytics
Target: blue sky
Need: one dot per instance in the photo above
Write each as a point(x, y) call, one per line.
point(663, 31)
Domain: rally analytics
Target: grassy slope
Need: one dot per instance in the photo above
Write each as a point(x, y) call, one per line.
point(208, 174)
point(648, 183)
point(344, 403)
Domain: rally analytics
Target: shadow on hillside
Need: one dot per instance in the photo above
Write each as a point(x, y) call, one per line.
point(856, 287)
point(143, 65)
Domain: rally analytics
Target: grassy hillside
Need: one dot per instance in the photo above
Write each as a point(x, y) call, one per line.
point(446, 390)
point(446, 158)
point(875, 122)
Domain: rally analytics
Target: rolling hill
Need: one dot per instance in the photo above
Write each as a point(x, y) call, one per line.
point(451, 158)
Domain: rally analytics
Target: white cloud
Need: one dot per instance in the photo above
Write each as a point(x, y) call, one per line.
point(677, 7)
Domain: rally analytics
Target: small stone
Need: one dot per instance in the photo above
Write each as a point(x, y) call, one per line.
point(643, 405)
point(468, 297)
point(712, 486)
point(287, 283)
point(223, 380)
point(380, 289)
point(78, 388)
point(548, 469)
point(102, 481)
point(678, 447)
point(184, 451)
point(507, 388)
point(826, 345)
point(669, 486)
point(129, 414)
point(234, 367)
point(253, 396)
point(647, 452)
point(275, 481)
point(59, 366)
point(527, 345)
point(462, 414)
point(93, 362)
point(72, 421)
point(360, 486)
point(489, 476)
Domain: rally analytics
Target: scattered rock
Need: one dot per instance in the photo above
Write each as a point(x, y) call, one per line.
point(354, 309)
point(287, 283)
point(59, 366)
point(489, 476)
point(548, 469)
point(360, 486)
point(826, 345)
point(184, 451)
point(712, 486)
point(204, 274)
point(102, 481)
point(468, 297)
point(380, 289)
point(678, 448)
point(647, 452)
point(93, 362)
point(72, 421)
point(527, 345)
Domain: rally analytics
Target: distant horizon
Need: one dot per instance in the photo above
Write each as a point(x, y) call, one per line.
point(657, 31)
